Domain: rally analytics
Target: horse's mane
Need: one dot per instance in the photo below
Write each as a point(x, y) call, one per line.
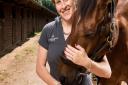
point(85, 8)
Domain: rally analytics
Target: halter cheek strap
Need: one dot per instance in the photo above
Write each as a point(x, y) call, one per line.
point(111, 27)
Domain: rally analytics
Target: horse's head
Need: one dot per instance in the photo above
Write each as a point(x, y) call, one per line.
point(94, 26)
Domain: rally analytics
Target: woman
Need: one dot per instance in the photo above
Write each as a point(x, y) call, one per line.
point(52, 44)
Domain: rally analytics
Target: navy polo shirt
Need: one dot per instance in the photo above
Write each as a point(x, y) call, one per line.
point(52, 38)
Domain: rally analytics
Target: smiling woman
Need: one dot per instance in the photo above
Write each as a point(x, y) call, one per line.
point(53, 41)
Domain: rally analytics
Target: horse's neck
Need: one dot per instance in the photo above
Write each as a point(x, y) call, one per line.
point(122, 12)
point(73, 37)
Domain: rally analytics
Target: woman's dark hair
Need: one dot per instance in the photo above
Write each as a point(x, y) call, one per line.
point(53, 1)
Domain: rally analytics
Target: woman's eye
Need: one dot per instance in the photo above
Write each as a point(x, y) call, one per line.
point(57, 1)
point(65, 0)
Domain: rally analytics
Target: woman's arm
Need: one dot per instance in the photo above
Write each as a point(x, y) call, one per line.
point(79, 56)
point(101, 69)
point(41, 68)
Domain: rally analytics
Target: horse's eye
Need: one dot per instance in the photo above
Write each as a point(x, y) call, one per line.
point(89, 34)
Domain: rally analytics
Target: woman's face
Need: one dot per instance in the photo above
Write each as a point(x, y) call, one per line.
point(65, 8)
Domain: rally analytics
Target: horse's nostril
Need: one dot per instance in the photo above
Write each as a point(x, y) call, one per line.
point(62, 80)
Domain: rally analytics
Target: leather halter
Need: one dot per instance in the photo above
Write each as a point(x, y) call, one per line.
point(110, 26)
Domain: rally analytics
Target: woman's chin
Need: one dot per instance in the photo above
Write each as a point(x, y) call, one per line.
point(67, 18)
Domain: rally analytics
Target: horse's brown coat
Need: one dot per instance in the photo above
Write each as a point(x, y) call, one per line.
point(118, 58)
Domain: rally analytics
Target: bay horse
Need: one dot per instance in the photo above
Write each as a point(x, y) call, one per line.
point(95, 30)
point(118, 57)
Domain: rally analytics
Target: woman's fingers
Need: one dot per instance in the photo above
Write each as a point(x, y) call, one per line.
point(81, 50)
point(71, 53)
point(68, 55)
point(79, 47)
point(72, 49)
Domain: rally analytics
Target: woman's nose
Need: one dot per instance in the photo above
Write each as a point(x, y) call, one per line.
point(63, 4)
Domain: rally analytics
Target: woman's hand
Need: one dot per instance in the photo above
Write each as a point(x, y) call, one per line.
point(77, 55)
point(57, 83)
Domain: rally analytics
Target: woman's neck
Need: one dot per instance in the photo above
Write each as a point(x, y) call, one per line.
point(66, 23)
point(67, 26)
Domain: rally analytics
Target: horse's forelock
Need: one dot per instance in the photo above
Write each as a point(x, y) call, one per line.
point(86, 7)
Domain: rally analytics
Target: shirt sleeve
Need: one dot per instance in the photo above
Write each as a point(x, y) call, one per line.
point(43, 40)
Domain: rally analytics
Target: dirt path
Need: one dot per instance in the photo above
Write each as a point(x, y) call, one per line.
point(18, 67)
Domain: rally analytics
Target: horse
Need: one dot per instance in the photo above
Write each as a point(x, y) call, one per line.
point(95, 30)
point(118, 57)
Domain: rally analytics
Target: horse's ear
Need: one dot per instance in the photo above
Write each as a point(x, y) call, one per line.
point(111, 6)
point(116, 1)
point(113, 2)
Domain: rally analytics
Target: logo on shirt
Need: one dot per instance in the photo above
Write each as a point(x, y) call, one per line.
point(53, 38)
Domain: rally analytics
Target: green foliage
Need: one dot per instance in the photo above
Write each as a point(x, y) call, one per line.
point(48, 4)
point(39, 2)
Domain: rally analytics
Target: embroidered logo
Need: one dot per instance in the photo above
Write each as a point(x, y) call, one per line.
point(53, 38)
